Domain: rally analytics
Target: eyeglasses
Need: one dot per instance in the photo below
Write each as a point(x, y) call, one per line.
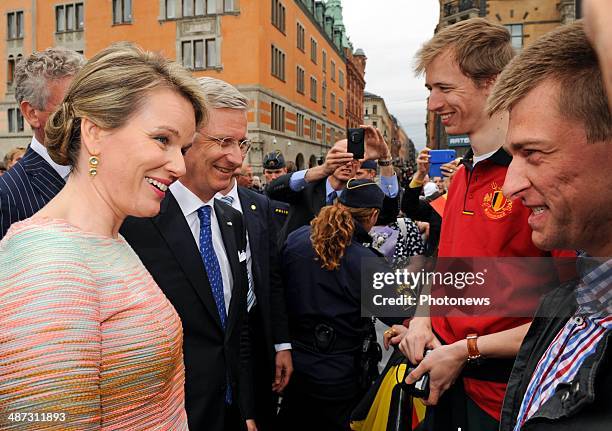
point(228, 142)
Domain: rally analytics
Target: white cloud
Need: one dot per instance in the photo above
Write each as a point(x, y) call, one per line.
point(390, 32)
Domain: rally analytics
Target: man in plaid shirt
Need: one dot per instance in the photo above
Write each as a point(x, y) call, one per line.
point(560, 136)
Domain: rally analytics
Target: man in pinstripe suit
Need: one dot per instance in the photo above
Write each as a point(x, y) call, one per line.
point(41, 81)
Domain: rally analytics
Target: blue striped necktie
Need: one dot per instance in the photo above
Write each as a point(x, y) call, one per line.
point(228, 199)
point(213, 270)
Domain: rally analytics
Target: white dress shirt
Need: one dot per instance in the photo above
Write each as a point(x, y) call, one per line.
point(189, 204)
point(41, 150)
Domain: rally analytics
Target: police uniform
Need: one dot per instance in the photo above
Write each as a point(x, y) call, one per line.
point(326, 327)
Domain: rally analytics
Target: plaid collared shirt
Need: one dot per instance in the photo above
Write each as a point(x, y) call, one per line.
point(576, 341)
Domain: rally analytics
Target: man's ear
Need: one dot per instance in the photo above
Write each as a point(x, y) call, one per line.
point(489, 83)
point(30, 114)
point(91, 136)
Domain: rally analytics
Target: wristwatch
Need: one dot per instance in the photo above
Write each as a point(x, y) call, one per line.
point(472, 345)
point(385, 162)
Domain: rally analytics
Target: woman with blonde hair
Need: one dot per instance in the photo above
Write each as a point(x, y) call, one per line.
point(322, 265)
point(88, 340)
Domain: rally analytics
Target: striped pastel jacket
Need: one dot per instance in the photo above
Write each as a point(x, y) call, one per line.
point(87, 339)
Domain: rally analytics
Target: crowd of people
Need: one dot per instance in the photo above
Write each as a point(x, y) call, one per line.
point(149, 281)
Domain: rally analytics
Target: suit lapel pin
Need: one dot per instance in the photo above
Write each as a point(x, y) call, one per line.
point(253, 207)
point(229, 223)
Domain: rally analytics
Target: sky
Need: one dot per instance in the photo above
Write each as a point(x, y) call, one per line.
point(390, 32)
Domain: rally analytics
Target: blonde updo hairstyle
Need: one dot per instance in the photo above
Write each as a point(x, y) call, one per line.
point(109, 90)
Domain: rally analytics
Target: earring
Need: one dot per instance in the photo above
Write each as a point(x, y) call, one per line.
point(93, 166)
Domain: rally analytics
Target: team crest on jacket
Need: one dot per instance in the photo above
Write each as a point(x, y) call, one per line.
point(495, 204)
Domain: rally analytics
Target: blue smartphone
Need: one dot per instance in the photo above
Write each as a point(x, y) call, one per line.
point(437, 158)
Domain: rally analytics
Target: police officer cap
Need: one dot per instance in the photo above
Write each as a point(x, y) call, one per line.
point(274, 160)
point(362, 194)
point(369, 164)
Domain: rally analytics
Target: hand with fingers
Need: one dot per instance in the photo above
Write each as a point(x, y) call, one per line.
point(375, 145)
point(335, 158)
point(284, 369)
point(449, 169)
point(444, 364)
point(394, 335)
point(422, 164)
point(417, 338)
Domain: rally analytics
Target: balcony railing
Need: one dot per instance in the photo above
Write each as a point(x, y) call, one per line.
point(457, 6)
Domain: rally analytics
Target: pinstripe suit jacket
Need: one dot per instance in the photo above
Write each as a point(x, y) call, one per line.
point(26, 188)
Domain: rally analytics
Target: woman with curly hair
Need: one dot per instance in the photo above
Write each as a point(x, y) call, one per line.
point(322, 266)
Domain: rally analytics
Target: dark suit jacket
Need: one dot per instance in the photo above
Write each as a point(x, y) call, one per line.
point(167, 248)
point(25, 188)
point(259, 213)
point(306, 204)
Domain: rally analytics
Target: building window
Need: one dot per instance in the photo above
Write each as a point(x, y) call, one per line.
point(300, 124)
point(278, 63)
point(516, 33)
point(324, 60)
point(211, 53)
point(14, 25)
point(10, 70)
point(341, 108)
point(323, 134)
point(278, 15)
point(313, 50)
point(278, 117)
point(198, 7)
point(228, 5)
point(171, 9)
point(199, 54)
point(313, 89)
point(15, 120)
point(332, 102)
point(375, 123)
point(341, 78)
point(300, 80)
point(300, 37)
point(324, 94)
point(69, 17)
point(122, 11)
point(313, 129)
point(375, 110)
point(333, 70)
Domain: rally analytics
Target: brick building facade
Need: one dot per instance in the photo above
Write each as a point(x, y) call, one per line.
point(287, 56)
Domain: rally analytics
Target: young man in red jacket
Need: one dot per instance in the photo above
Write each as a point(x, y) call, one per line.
point(461, 64)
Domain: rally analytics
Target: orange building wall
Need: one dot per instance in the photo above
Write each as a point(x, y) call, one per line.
point(145, 29)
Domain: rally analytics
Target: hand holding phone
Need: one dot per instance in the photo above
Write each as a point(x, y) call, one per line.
point(356, 142)
point(437, 158)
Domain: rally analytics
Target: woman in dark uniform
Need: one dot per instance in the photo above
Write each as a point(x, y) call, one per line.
point(322, 273)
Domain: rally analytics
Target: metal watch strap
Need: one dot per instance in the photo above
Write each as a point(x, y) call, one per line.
point(385, 162)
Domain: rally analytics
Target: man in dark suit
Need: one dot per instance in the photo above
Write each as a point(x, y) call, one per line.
point(196, 251)
point(41, 81)
point(268, 322)
point(310, 190)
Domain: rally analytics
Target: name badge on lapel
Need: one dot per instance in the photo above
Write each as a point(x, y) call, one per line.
point(241, 256)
